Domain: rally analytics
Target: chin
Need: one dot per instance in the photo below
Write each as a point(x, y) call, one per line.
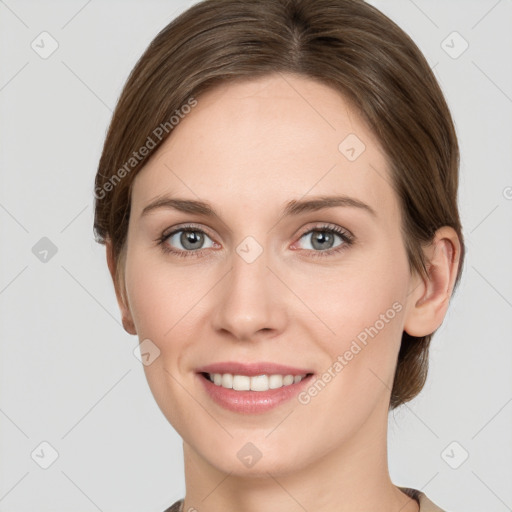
point(254, 460)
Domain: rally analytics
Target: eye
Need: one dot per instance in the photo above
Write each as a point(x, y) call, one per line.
point(188, 240)
point(322, 239)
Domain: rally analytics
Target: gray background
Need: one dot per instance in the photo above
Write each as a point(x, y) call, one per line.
point(67, 369)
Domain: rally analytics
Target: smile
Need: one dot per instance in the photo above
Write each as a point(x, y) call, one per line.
point(253, 383)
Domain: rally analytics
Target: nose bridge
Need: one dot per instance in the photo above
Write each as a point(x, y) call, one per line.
point(249, 302)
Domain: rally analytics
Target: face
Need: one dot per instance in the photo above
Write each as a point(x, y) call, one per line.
point(274, 275)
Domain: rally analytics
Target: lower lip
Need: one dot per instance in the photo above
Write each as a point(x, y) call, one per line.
point(251, 402)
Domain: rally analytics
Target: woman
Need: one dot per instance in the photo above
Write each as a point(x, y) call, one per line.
point(277, 194)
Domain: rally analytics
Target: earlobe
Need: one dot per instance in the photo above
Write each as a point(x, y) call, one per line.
point(127, 319)
point(429, 301)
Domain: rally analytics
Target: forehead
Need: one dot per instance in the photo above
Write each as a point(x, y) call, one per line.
point(265, 141)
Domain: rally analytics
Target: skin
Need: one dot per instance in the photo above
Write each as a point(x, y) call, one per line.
point(266, 142)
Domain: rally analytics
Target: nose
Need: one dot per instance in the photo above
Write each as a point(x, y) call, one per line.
point(250, 300)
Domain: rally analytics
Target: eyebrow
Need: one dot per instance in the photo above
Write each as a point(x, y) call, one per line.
point(292, 208)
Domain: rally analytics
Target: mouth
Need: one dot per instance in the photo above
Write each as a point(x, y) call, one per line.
point(252, 388)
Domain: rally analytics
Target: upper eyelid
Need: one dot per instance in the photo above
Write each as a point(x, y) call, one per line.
point(326, 226)
point(186, 227)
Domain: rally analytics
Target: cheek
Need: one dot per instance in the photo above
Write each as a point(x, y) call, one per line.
point(364, 304)
point(167, 302)
point(164, 298)
point(150, 303)
point(358, 294)
point(366, 312)
point(164, 302)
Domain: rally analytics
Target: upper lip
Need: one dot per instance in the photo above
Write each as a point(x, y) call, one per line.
point(252, 369)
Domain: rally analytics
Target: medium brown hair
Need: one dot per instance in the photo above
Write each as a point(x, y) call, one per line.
point(347, 44)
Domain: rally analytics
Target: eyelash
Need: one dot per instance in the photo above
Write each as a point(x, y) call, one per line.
point(348, 240)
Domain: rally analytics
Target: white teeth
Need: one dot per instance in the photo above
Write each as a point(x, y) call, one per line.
point(227, 380)
point(259, 383)
point(241, 383)
point(255, 383)
point(288, 380)
point(275, 381)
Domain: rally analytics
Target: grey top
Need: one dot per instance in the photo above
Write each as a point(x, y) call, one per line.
point(425, 504)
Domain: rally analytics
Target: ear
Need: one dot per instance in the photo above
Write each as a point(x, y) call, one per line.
point(126, 315)
point(429, 298)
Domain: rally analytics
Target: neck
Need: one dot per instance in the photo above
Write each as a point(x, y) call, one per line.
point(348, 478)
